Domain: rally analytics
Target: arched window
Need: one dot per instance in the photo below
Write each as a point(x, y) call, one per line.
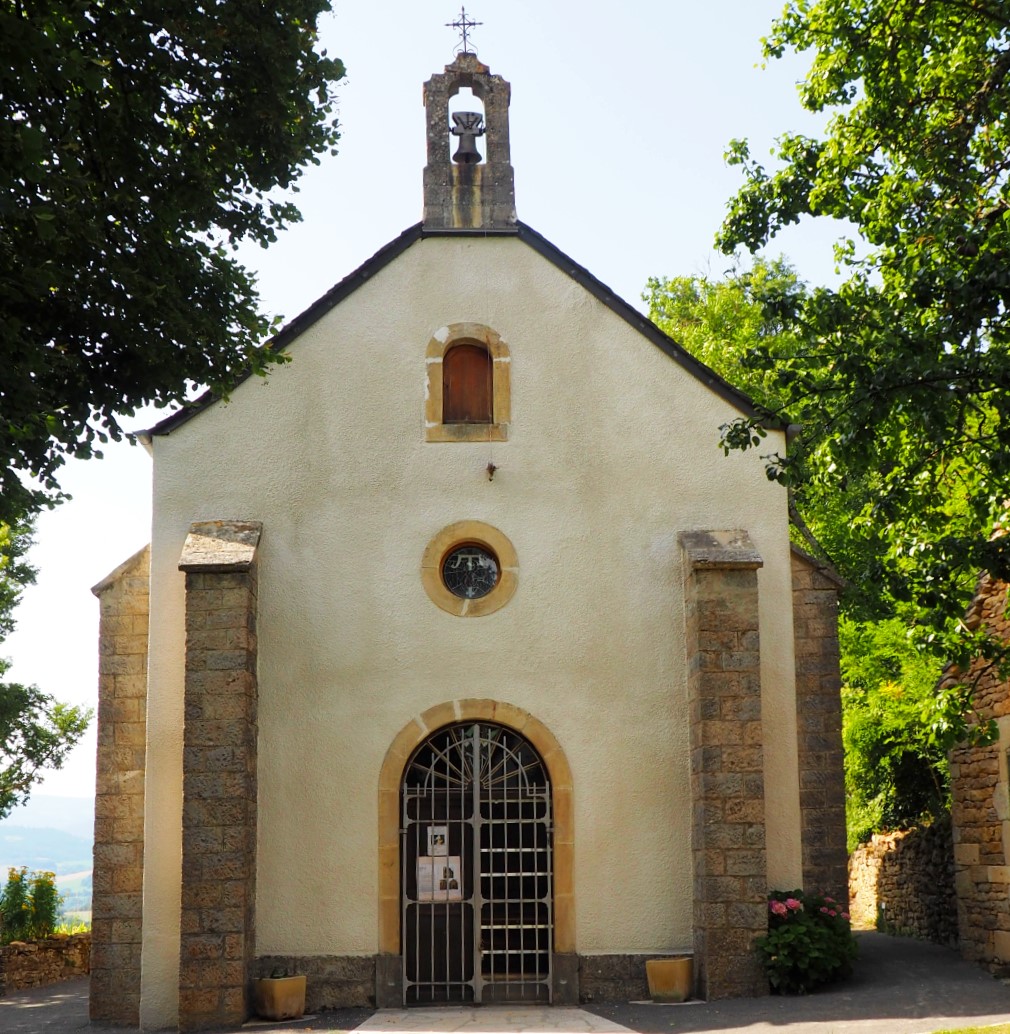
point(467, 394)
point(467, 385)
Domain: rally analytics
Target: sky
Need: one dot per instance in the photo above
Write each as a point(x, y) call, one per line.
point(620, 117)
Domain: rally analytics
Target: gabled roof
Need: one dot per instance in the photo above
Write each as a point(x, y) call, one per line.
point(385, 255)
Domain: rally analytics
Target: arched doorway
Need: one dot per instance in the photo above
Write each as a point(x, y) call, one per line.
point(477, 868)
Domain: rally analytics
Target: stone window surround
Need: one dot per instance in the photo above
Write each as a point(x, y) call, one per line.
point(460, 534)
point(402, 749)
point(469, 334)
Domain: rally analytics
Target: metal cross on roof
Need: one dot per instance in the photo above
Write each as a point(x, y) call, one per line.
point(464, 25)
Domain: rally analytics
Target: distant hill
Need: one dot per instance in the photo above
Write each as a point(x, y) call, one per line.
point(74, 815)
point(41, 848)
point(54, 834)
point(75, 889)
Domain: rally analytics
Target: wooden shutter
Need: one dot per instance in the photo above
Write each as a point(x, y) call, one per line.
point(467, 385)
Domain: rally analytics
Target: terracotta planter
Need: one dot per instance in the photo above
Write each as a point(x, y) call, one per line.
point(670, 979)
point(279, 998)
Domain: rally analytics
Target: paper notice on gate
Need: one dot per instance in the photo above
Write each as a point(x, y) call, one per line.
point(438, 879)
point(438, 840)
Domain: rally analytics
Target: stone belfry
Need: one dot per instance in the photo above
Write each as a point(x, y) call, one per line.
point(461, 190)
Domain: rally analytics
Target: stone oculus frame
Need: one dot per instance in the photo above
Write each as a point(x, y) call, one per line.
point(501, 385)
point(460, 534)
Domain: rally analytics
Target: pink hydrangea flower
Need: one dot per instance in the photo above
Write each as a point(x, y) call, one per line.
point(832, 913)
point(793, 904)
point(824, 909)
point(845, 915)
point(830, 901)
point(778, 908)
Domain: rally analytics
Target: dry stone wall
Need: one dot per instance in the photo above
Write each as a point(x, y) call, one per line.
point(907, 878)
point(39, 963)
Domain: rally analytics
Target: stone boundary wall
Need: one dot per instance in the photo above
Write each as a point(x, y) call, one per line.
point(907, 877)
point(39, 963)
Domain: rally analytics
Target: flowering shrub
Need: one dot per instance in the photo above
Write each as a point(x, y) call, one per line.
point(809, 942)
point(29, 905)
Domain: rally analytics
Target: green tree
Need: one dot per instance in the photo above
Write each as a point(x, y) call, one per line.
point(141, 142)
point(29, 906)
point(732, 325)
point(895, 773)
point(37, 732)
point(725, 322)
point(903, 375)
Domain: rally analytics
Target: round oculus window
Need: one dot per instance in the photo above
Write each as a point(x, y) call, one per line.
point(470, 572)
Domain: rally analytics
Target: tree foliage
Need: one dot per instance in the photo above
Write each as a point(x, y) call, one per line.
point(29, 905)
point(896, 770)
point(723, 321)
point(37, 732)
point(896, 774)
point(902, 381)
point(140, 143)
point(733, 324)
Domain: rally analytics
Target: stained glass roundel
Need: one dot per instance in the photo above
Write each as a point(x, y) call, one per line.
point(470, 571)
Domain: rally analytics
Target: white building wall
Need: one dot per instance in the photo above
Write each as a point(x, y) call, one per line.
point(612, 453)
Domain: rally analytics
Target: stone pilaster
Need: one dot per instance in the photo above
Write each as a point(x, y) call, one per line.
point(727, 762)
point(119, 793)
point(819, 725)
point(980, 799)
point(468, 197)
point(217, 940)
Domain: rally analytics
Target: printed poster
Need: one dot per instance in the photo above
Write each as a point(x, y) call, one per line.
point(438, 840)
point(439, 878)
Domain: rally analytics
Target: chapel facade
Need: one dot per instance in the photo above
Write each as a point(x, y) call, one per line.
point(462, 666)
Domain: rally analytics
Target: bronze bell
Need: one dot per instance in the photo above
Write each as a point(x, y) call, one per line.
point(469, 126)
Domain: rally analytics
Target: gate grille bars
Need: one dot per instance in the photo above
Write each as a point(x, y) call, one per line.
point(477, 895)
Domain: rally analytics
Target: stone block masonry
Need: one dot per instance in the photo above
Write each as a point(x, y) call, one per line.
point(469, 197)
point(727, 763)
point(819, 724)
point(907, 878)
point(40, 963)
point(119, 797)
point(980, 801)
point(217, 942)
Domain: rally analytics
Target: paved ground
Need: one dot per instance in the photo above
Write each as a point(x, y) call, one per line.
point(900, 986)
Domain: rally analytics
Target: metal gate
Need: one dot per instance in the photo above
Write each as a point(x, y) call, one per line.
point(477, 890)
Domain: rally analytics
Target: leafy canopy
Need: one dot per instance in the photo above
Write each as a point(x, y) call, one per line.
point(903, 376)
point(140, 143)
point(733, 324)
point(896, 774)
point(37, 732)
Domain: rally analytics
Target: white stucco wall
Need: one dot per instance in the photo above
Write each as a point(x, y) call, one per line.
point(612, 453)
